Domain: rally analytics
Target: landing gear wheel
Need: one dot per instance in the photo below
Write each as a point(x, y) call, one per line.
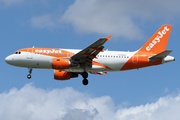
point(84, 74)
point(85, 81)
point(29, 76)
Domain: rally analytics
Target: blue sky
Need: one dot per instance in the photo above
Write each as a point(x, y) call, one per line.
point(147, 93)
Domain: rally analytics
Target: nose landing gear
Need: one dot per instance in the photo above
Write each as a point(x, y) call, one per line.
point(29, 75)
point(85, 75)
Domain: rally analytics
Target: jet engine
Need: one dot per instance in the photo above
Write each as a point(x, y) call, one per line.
point(58, 63)
point(64, 75)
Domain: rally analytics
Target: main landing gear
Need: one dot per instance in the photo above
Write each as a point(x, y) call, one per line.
point(85, 75)
point(29, 75)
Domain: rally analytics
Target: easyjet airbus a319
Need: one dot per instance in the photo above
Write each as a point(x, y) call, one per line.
point(69, 63)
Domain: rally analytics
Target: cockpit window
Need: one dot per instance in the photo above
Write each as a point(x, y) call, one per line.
point(17, 53)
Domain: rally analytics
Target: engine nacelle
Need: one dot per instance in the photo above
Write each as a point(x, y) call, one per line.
point(63, 75)
point(58, 63)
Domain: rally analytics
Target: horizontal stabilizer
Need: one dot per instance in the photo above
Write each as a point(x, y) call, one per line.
point(160, 55)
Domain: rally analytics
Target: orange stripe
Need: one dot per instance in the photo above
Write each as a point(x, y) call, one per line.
point(49, 52)
point(142, 61)
point(98, 64)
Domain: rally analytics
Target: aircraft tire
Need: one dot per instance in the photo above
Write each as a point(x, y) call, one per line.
point(84, 75)
point(29, 76)
point(85, 81)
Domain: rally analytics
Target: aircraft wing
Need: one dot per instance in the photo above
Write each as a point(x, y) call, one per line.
point(90, 52)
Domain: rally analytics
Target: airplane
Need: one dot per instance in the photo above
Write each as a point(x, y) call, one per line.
point(69, 63)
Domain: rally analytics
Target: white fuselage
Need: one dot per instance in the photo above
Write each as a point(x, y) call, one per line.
point(111, 59)
point(106, 61)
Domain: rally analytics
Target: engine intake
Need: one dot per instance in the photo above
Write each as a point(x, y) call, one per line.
point(63, 75)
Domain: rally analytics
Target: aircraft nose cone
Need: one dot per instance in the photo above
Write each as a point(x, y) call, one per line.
point(8, 59)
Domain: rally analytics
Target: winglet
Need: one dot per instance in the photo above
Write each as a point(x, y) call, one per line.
point(108, 38)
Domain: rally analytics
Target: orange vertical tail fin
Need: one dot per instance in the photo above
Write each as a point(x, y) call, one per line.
point(157, 43)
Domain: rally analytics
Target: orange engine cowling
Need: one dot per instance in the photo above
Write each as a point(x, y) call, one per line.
point(58, 63)
point(63, 75)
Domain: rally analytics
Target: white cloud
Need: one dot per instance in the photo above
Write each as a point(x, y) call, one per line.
point(118, 17)
point(10, 2)
point(45, 21)
point(121, 18)
point(31, 103)
point(164, 109)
